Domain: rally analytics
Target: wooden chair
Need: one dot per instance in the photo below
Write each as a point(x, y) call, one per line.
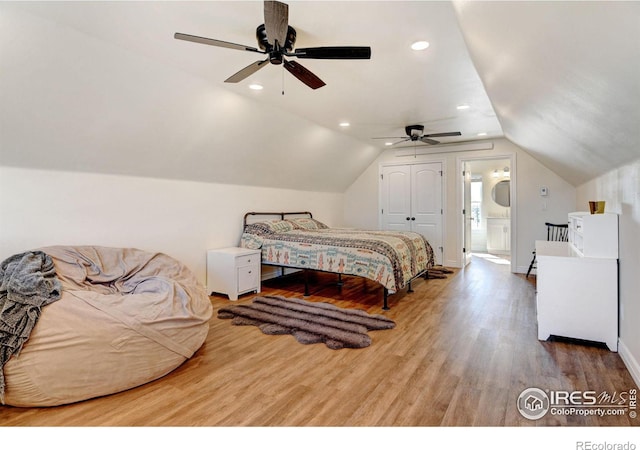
point(555, 232)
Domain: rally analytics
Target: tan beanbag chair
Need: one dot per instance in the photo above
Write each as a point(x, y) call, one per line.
point(125, 317)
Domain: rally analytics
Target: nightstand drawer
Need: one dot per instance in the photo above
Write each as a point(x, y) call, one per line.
point(246, 260)
point(247, 279)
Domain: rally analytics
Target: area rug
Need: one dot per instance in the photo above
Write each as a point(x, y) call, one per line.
point(438, 272)
point(308, 322)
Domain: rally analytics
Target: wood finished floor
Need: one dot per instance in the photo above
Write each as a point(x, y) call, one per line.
point(463, 350)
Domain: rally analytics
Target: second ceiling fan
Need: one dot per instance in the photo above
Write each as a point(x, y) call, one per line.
point(415, 133)
point(277, 39)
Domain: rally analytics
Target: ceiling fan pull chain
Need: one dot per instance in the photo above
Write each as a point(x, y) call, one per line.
point(283, 79)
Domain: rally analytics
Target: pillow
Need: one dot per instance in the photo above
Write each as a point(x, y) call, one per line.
point(307, 223)
point(251, 241)
point(279, 226)
point(269, 226)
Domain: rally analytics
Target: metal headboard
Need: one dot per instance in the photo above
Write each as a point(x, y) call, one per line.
point(282, 215)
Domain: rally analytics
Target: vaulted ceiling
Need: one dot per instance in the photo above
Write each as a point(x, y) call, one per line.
point(563, 78)
point(104, 87)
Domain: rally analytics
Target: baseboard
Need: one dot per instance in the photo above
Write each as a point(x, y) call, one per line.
point(628, 359)
point(269, 272)
point(452, 263)
point(523, 269)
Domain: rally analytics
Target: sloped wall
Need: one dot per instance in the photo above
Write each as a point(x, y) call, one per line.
point(180, 218)
point(620, 189)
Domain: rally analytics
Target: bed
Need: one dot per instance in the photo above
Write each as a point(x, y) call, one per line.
point(296, 240)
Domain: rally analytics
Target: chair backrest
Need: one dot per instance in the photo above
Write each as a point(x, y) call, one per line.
point(557, 232)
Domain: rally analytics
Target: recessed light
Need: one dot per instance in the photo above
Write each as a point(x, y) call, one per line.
point(344, 124)
point(388, 144)
point(482, 134)
point(419, 45)
point(461, 107)
point(255, 87)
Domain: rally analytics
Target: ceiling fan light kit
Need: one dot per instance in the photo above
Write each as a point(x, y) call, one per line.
point(276, 39)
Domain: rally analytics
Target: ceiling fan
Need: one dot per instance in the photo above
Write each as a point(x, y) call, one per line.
point(276, 39)
point(415, 133)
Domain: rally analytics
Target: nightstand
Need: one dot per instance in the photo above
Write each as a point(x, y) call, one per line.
point(233, 271)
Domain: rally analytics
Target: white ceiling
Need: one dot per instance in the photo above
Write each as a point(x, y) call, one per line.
point(563, 77)
point(104, 87)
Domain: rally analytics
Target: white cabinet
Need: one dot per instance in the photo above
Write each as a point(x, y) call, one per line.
point(233, 271)
point(411, 200)
point(577, 294)
point(499, 235)
point(594, 235)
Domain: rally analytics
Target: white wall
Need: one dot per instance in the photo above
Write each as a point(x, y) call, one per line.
point(361, 200)
point(180, 218)
point(620, 188)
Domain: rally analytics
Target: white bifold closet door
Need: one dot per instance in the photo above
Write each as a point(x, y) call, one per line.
point(411, 199)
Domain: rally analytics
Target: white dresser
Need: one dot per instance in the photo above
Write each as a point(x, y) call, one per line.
point(233, 271)
point(577, 281)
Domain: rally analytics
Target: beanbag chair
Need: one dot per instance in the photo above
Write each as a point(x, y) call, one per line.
point(125, 317)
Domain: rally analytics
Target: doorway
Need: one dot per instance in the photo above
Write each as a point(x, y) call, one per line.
point(487, 212)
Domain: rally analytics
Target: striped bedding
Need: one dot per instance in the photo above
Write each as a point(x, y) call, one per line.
point(391, 258)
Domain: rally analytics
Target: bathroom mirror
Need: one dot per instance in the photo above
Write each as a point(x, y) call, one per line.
point(500, 193)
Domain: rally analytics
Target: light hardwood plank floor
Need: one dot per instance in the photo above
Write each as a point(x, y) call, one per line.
point(462, 351)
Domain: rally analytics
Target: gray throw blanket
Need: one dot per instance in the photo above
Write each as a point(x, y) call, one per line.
point(27, 283)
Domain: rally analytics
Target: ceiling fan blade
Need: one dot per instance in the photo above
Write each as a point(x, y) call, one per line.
point(400, 141)
point(249, 70)
point(389, 137)
point(451, 133)
point(215, 42)
point(333, 53)
point(426, 140)
point(276, 21)
point(303, 74)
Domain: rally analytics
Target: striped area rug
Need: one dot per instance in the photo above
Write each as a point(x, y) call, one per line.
point(308, 322)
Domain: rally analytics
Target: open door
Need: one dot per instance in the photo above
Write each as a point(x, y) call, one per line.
point(466, 213)
point(486, 223)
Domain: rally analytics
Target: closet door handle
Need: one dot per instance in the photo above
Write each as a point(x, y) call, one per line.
point(408, 218)
point(413, 218)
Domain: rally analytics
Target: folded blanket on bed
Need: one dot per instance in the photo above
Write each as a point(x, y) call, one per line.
point(27, 283)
